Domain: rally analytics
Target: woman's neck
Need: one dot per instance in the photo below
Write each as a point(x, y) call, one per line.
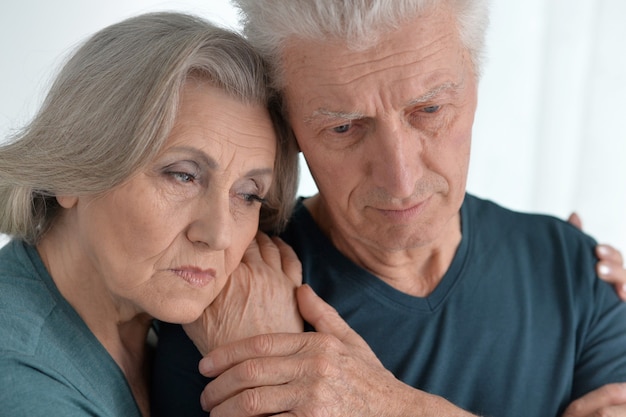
point(122, 333)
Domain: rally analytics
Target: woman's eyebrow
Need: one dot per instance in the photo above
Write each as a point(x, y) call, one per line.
point(260, 172)
point(213, 164)
point(204, 158)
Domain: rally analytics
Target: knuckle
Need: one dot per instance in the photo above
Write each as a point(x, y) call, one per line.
point(616, 392)
point(323, 366)
point(326, 340)
point(261, 345)
point(330, 343)
point(574, 409)
point(250, 402)
point(249, 370)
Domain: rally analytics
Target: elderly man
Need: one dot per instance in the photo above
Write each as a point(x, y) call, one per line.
point(461, 305)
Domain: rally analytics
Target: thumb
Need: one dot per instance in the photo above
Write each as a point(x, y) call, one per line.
point(324, 318)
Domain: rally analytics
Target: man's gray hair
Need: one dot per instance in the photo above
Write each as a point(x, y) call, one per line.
point(112, 107)
point(268, 24)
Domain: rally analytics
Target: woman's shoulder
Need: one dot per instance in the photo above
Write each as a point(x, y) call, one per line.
point(25, 300)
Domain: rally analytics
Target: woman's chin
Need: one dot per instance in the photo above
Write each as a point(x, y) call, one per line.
point(180, 313)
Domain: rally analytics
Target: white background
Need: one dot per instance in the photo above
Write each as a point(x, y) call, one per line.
point(550, 132)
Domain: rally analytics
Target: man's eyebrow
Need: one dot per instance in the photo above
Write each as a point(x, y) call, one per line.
point(429, 95)
point(333, 115)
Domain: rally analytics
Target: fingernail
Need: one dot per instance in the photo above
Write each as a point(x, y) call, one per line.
point(603, 250)
point(206, 365)
point(603, 269)
point(624, 288)
point(311, 289)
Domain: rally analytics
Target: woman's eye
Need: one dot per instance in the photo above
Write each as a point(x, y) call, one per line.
point(253, 198)
point(184, 177)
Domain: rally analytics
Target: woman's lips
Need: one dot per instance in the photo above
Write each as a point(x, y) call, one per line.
point(195, 277)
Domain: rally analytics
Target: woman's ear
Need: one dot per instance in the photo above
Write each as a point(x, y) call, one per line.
point(67, 201)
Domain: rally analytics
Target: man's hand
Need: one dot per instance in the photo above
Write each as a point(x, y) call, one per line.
point(258, 298)
point(606, 401)
point(611, 265)
point(331, 372)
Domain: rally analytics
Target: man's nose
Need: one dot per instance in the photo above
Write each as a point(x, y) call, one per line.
point(396, 157)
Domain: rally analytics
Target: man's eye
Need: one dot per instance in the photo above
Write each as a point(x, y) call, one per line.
point(342, 129)
point(431, 109)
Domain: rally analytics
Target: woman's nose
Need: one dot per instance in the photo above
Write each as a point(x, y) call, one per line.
point(212, 224)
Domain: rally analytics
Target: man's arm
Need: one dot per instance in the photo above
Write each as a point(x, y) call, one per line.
point(328, 372)
point(609, 400)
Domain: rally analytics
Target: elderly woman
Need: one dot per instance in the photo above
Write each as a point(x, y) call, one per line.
point(132, 195)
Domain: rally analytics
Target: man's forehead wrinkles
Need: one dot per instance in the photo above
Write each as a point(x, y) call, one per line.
point(375, 60)
point(371, 73)
point(407, 56)
point(357, 72)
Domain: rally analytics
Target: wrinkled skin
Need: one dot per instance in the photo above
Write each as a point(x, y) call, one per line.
point(260, 294)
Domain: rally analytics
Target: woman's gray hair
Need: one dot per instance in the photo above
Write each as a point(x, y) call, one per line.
point(112, 107)
point(269, 23)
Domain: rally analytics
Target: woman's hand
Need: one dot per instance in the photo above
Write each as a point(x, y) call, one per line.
point(259, 297)
point(610, 267)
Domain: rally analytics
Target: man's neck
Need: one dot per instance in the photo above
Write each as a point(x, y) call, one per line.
point(415, 271)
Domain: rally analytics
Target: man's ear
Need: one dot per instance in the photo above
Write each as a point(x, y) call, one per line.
point(67, 201)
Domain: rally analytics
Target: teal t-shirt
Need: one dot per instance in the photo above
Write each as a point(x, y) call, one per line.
point(519, 326)
point(50, 362)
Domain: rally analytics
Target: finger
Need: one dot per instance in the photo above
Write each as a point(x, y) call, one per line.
point(610, 268)
point(265, 345)
point(612, 411)
point(260, 401)
point(609, 254)
point(268, 249)
point(252, 252)
point(606, 396)
point(324, 318)
point(575, 219)
point(620, 289)
point(613, 275)
point(291, 265)
point(250, 374)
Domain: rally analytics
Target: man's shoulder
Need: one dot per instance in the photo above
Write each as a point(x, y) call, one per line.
point(541, 248)
point(488, 217)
